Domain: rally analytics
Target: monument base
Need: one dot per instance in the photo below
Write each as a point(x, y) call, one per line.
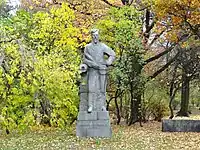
point(94, 124)
point(173, 125)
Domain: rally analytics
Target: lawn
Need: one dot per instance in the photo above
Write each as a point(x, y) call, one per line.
point(148, 137)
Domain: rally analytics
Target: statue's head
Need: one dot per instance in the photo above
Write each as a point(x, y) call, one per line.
point(95, 35)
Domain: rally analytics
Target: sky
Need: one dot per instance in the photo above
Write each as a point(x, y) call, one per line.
point(13, 3)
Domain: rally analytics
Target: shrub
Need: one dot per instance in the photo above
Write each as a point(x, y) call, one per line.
point(39, 71)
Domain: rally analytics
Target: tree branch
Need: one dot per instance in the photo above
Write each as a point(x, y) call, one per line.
point(10, 40)
point(1, 59)
point(156, 37)
point(160, 54)
point(195, 31)
point(130, 3)
point(73, 6)
point(147, 19)
point(107, 2)
point(164, 67)
point(148, 29)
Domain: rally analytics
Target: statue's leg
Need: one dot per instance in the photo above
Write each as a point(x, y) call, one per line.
point(92, 88)
point(103, 83)
point(90, 102)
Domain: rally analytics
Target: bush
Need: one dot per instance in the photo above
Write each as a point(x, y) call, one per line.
point(155, 103)
point(39, 71)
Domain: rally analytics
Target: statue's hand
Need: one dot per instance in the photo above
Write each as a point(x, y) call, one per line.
point(95, 66)
point(108, 62)
point(83, 68)
point(102, 67)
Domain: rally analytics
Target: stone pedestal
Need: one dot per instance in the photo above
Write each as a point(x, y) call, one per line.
point(94, 124)
point(93, 119)
point(176, 125)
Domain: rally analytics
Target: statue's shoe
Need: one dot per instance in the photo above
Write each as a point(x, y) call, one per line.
point(90, 109)
point(103, 108)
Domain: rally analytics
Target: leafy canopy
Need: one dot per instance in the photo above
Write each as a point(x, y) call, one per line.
point(39, 70)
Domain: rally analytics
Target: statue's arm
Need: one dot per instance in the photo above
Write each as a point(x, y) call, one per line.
point(88, 60)
point(111, 55)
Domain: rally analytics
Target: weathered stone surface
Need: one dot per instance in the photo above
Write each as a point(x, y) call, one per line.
point(99, 132)
point(83, 102)
point(93, 119)
point(81, 131)
point(93, 127)
point(95, 75)
point(94, 132)
point(83, 88)
point(103, 115)
point(84, 115)
point(94, 123)
point(171, 125)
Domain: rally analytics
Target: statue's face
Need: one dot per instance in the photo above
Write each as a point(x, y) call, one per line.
point(95, 37)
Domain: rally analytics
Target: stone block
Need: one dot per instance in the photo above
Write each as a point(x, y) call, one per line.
point(83, 88)
point(93, 128)
point(99, 132)
point(83, 97)
point(103, 115)
point(93, 123)
point(172, 125)
point(83, 106)
point(84, 115)
point(81, 131)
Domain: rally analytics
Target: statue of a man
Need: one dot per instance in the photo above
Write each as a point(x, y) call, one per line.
point(95, 58)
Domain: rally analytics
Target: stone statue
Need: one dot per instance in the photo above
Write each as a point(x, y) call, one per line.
point(93, 118)
point(94, 58)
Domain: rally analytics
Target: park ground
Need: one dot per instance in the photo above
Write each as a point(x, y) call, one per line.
point(148, 137)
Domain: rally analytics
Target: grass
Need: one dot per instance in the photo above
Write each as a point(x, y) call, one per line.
point(148, 137)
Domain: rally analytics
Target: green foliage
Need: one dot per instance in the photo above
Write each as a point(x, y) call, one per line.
point(39, 71)
point(4, 9)
point(194, 95)
point(121, 31)
point(155, 104)
point(175, 103)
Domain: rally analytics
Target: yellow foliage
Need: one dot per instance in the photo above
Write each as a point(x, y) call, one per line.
point(178, 15)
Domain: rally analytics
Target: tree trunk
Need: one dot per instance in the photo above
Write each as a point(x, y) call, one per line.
point(131, 106)
point(126, 109)
point(136, 95)
point(117, 108)
point(185, 89)
point(121, 106)
point(135, 114)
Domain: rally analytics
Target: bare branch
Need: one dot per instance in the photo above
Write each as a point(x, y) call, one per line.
point(1, 59)
point(5, 41)
point(130, 3)
point(156, 37)
point(164, 67)
point(195, 31)
point(107, 2)
point(160, 54)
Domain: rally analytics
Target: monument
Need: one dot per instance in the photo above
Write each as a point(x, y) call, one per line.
point(93, 118)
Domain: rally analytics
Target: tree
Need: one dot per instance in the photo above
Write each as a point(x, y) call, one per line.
point(180, 22)
point(121, 31)
point(190, 66)
point(40, 68)
point(86, 13)
point(182, 15)
point(4, 9)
